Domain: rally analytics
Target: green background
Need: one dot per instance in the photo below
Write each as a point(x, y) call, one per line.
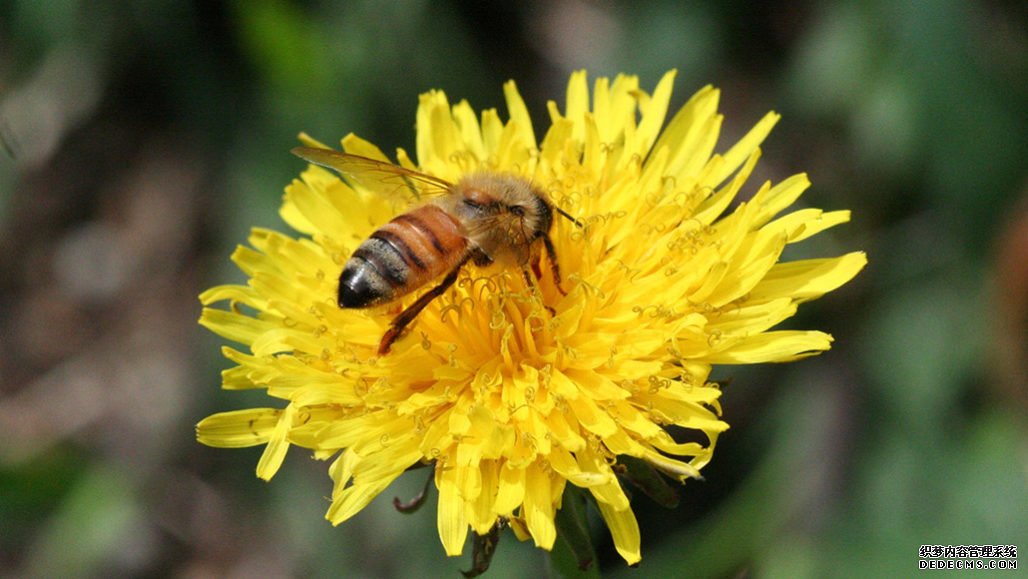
point(145, 138)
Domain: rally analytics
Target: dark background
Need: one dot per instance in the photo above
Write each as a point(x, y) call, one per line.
point(145, 138)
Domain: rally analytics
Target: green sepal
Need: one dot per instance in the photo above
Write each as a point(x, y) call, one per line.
point(415, 503)
point(644, 477)
point(573, 555)
point(483, 549)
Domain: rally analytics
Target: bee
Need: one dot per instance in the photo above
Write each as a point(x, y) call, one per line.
point(484, 218)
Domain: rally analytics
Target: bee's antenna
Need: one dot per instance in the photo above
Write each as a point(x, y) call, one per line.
point(568, 216)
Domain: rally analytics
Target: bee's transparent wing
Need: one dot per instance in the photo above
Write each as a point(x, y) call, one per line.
point(378, 176)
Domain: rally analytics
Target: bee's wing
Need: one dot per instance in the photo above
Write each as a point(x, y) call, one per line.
point(378, 176)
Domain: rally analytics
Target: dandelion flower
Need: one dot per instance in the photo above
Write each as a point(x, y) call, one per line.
point(513, 393)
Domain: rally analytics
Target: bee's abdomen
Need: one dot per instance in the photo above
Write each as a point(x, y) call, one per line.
point(402, 256)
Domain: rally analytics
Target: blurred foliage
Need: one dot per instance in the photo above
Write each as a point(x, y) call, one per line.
point(145, 138)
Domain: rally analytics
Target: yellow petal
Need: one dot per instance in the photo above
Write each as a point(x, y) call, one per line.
point(611, 492)
point(808, 278)
point(752, 316)
point(577, 104)
point(593, 418)
point(624, 529)
point(470, 132)
point(492, 128)
point(521, 532)
point(745, 147)
point(233, 326)
point(654, 113)
point(238, 428)
point(350, 500)
point(511, 490)
point(688, 134)
point(482, 515)
point(782, 346)
point(319, 215)
point(716, 205)
point(756, 256)
point(539, 507)
point(233, 293)
point(451, 520)
point(519, 116)
point(275, 452)
point(355, 145)
point(772, 201)
point(807, 222)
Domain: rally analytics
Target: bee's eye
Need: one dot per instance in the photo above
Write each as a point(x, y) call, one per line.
point(473, 204)
point(517, 210)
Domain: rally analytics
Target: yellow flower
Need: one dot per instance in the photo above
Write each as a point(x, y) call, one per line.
point(512, 392)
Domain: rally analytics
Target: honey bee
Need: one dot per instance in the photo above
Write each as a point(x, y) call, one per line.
point(484, 218)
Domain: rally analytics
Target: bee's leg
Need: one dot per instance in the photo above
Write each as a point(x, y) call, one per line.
point(534, 263)
point(480, 258)
point(551, 254)
point(407, 316)
point(533, 286)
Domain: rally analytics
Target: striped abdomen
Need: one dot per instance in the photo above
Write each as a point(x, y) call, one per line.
point(401, 256)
